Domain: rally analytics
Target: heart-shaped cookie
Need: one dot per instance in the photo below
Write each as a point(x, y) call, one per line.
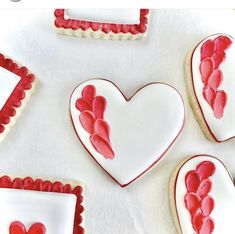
point(202, 196)
point(211, 85)
point(126, 137)
point(19, 228)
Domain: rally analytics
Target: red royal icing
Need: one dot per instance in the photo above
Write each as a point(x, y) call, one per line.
point(212, 55)
point(61, 22)
point(92, 110)
point(197, 200)
point(18, 94)
point(19, 228)
point(47, 186)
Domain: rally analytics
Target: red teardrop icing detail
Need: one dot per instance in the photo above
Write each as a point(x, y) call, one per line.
point(19, 228)
point(222, 43)
point(102, 146)
point(88, 93)
point(87, 120)
point(204, 188)
point(207, 205)
point(219, 104)
point(102, 129)
point(192, 202)
point(215, 79)
point(83, 105)
point(218, 58)
point(207, 49)
point(209, 95)
point(207, 226)
point(197, 220)
point(205, 169)
point(98, 107)
point(206, 69)
point(192, 181)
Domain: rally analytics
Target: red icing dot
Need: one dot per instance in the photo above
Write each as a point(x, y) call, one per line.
point(87, 120)
point(209, 95)
point(46, 186)
point(192, 202)
point(218, 58)
point(192, 181)
point(219, 104)
point(207, 205)
point(101, 128)
point(204, 188)
point(17, 183)
point(82, 105)
point(222, 43)
point(57, 187)
point(207, 49)
point(28, 183)
point(98, 107)
point(207, 226)
point(88, 93)
point(206, 69)
point(5, 182)
point(215, 79)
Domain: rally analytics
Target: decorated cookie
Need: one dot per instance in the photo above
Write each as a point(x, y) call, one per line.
point(38, 206)
point(16, 86)
point(126, 137)
point(115, 24)
point(211, 84)
point(202, 196)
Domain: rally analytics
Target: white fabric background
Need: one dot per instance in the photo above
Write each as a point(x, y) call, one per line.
point(43, 142)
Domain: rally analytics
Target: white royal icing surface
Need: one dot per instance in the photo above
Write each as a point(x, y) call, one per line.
point(55, 210)
point(223, 193)
point(102, 15)
point(223, 128)
point(141, 130)
point(8, 82)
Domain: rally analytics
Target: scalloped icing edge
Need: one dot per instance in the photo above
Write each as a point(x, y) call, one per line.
point(24, 102)
point(73, 184)
point(99, 34)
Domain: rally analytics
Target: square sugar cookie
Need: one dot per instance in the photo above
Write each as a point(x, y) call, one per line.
point(42, 205)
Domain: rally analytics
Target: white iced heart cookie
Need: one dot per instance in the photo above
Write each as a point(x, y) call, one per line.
point(211, 85)
point(202, 196)
point(126, 137)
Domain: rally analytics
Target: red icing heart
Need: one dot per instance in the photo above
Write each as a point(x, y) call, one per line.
point(206, 69)
point(87, 120)
point(88, 93)
point(192, 181)
point(219, 104)
point(215, 79)
point(98, 107)
point(209, 95)
point(19, 228)
point(102, 129)
point(207, 49)
point(102, 146)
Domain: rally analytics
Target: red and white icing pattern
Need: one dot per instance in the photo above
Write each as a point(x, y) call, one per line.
point(204, 191)
point(74, 24)
point(47, 186)
point(19, 228)
point(212, 74)
point(213, 53)
point(141, 128)
point(92, 110)
point(197, 200)
point(18, 95)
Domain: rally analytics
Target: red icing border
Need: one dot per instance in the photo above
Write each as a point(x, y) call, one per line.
point(199, 105)
point(129, 99)
point(28, 183)
point(17, 96)
point(74, 24)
